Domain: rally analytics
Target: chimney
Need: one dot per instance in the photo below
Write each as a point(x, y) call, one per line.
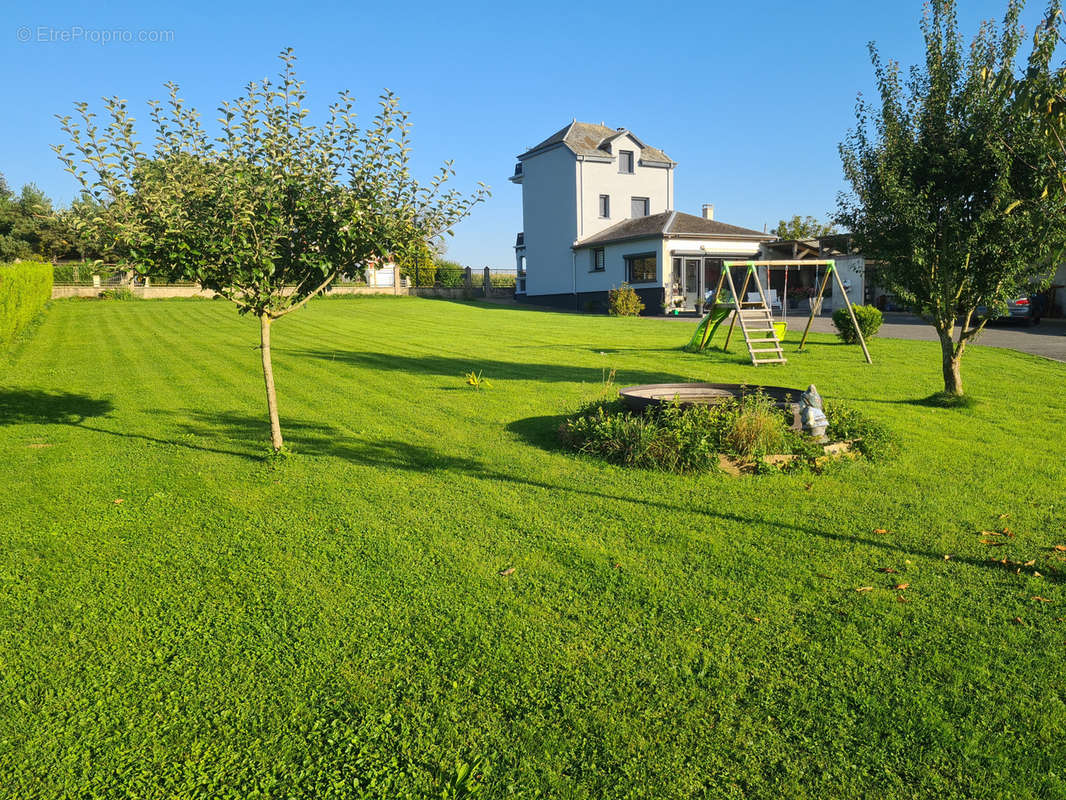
point(708, 210)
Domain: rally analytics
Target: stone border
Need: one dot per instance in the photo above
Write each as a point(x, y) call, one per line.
point(833, 451)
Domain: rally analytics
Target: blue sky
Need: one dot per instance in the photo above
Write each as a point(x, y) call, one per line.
point(750, 98)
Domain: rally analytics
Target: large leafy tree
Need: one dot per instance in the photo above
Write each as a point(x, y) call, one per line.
point(28, 224)
point(1045, 92)
point(802, 228)
point(950, 175)
point(269, 211)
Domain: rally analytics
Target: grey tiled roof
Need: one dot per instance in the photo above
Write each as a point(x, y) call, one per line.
point(587, 139)
point(672, 224)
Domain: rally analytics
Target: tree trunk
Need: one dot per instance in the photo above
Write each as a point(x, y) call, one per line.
point(268, 379)
point(952, 363)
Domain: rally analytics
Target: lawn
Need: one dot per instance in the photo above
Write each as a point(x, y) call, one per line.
point(181, 617)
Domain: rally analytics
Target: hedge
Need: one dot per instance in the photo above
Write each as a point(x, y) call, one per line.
point(76, 273)
point(25, 286)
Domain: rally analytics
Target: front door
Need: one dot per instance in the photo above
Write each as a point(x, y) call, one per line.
point(692, 283)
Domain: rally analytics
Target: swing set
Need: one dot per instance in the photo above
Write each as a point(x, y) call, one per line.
point(755, 315)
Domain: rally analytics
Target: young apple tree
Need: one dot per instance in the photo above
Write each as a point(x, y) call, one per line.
point(949, 177)
point(269, 211)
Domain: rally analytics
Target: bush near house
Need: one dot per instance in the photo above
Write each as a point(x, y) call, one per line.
point(869, 319)
point(25, 286)
point(624, 302)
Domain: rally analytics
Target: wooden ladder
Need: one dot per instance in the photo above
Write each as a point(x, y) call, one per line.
point(756, 320)
point(757, 325)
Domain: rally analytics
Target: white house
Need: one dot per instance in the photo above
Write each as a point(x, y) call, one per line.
point(598, 210)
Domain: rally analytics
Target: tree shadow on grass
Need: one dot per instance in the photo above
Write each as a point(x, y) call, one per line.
point(249, 434)
point(542, 432)
point(37, 407)
point(608, 351)
point(454, 366)
point(321, 439)
point(938, 400)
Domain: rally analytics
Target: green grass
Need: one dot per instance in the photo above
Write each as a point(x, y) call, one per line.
point(334, 625)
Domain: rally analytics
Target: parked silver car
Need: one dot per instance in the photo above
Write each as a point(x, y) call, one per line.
point(1026, 309)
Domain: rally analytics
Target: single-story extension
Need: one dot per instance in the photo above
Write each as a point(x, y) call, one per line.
point(671, 259)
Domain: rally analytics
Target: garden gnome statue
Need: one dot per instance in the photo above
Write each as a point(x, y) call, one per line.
point(811, 414)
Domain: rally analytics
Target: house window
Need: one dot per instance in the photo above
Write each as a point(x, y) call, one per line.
point(625, 161)
point(643, 268)
point(605, 206)
point(599, 260)
point(638, 207)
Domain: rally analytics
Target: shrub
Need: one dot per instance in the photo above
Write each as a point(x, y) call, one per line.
point(420, 274)
point(418, 266)
point(624, 302)
point(75, 273)
point(756, 427)
point(869, 436)
point(25, 286)
point(451, 274)
point(676, 438)
point(869, 319)
point(119, 293)
point(669, 438)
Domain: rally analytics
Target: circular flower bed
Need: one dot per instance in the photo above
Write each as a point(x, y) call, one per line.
point(751, 433)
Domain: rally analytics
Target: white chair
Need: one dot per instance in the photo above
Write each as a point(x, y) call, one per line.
point(775, 302)
point(771, 298)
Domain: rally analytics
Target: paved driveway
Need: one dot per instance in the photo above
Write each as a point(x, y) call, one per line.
point(1048, 339)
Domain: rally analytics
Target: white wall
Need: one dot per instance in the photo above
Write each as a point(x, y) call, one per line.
point(549, 220)
point(614, 273)
point(596, 178)
point(722, 248)
point(850, 269)
point(560, 205)
point(615, 267)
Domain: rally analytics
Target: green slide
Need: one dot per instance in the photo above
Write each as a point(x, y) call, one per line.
point(707, 327)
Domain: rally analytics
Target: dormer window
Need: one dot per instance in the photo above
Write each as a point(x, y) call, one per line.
point(625, 161)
